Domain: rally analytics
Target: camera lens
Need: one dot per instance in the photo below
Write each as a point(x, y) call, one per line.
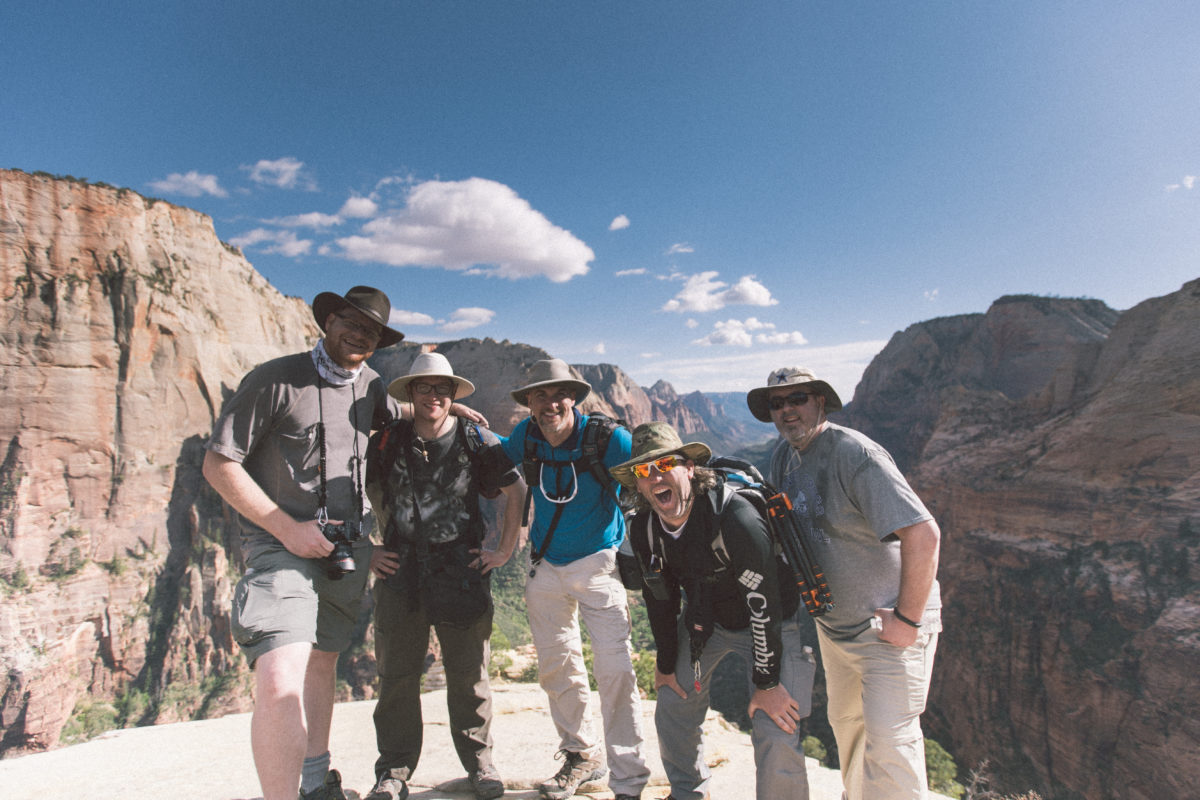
point(341, 560)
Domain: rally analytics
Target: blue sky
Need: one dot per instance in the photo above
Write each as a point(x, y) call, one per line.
point(696, 191)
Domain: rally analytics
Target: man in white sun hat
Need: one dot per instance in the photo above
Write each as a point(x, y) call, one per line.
point(425, 478)
point(879, 547)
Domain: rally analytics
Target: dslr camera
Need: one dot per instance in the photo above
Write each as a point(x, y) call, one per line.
point(341, 561)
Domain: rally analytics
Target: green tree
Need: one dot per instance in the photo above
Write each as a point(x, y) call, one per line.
point(942, 771)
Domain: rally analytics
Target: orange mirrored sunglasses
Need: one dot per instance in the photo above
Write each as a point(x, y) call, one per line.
point(663, 465)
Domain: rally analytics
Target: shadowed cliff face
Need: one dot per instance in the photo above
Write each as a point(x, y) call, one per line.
point(1068, 492)
point(124, 324)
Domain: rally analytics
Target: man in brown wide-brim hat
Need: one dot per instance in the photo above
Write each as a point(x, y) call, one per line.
point(879, 546)
point(287, 453)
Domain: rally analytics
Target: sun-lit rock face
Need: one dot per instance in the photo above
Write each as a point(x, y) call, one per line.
point(124, 323)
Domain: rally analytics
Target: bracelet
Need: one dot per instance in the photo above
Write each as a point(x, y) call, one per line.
point(904, 619)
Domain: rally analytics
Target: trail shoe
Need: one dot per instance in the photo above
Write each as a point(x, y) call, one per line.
point(330, 790)
point(487, 784)
point(388, 788)
point(576, 770)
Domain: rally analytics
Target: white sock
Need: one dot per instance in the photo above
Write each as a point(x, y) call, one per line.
point(313, 776)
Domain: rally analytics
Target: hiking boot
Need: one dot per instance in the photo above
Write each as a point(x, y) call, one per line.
point(576, 770)
point(388, 788)
point(487, 784)
point(330, 790)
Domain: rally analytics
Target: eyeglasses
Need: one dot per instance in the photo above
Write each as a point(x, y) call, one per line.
point(793, 399)
point(371, 332)
point(663, 465)
point(440, 389)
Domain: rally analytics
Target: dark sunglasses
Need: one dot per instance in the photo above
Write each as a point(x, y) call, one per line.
point(793, 399)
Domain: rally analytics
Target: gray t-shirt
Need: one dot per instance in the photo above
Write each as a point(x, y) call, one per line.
point(269, 425)
point(854, 495)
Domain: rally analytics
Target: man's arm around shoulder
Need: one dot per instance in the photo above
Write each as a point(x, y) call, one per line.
point(240, 491)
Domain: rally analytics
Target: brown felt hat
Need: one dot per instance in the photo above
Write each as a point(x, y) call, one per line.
point(370, 302)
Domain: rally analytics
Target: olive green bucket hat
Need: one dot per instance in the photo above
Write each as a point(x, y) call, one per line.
point(654, 440)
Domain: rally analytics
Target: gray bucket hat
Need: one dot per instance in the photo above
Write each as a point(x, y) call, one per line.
point(548, 372)
point(790, 376)
point(430, 365)
point(655, 440)
point(368, 300)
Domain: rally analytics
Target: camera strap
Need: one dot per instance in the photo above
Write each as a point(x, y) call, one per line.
point(323, 492)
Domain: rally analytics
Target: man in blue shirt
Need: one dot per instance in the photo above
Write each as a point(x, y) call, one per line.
point(576, 530)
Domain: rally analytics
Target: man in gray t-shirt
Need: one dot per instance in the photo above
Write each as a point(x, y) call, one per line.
point(878, 545)
point(286, 452)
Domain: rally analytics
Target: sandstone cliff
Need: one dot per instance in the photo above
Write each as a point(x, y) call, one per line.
point(124, 322)
point(1059, 447)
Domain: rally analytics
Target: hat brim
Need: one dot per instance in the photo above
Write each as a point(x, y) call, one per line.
point(692, 451)
point(759, 399)
point(398, 388)
point(327, 303)
point(582, 389)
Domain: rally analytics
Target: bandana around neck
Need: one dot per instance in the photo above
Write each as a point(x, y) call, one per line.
point(328, 369)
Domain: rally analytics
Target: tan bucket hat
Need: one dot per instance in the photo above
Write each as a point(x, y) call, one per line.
point(550, 371)
point(790, 376)
point(655, 440)
point(430, 365)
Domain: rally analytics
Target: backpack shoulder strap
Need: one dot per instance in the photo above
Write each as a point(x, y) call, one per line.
point(383, 446)
point(597, 433)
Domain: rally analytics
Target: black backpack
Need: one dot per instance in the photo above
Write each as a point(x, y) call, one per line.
point(385, 444)
point(790, 533)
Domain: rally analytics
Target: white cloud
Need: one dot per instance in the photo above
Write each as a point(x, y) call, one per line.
point(680, 247)
point(472, 224)
point(619, 223)
point(466, 318)
point(931, 294)
point(189, 184)
point(842, 365)
point(359, 208)
point(651, 355)
point(401, 317)
point(313, 219)
point(285, 173)
point(599, 349)
point(703, 292)
point(282, 242)
point(793, 338)
point(742, 333)
point(1188, 182)
point(622, 273)
point(691, 323)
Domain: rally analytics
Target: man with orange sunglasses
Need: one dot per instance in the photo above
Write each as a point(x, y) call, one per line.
point(713, 585)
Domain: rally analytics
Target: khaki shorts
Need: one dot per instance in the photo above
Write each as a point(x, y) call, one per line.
point(283, 599)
